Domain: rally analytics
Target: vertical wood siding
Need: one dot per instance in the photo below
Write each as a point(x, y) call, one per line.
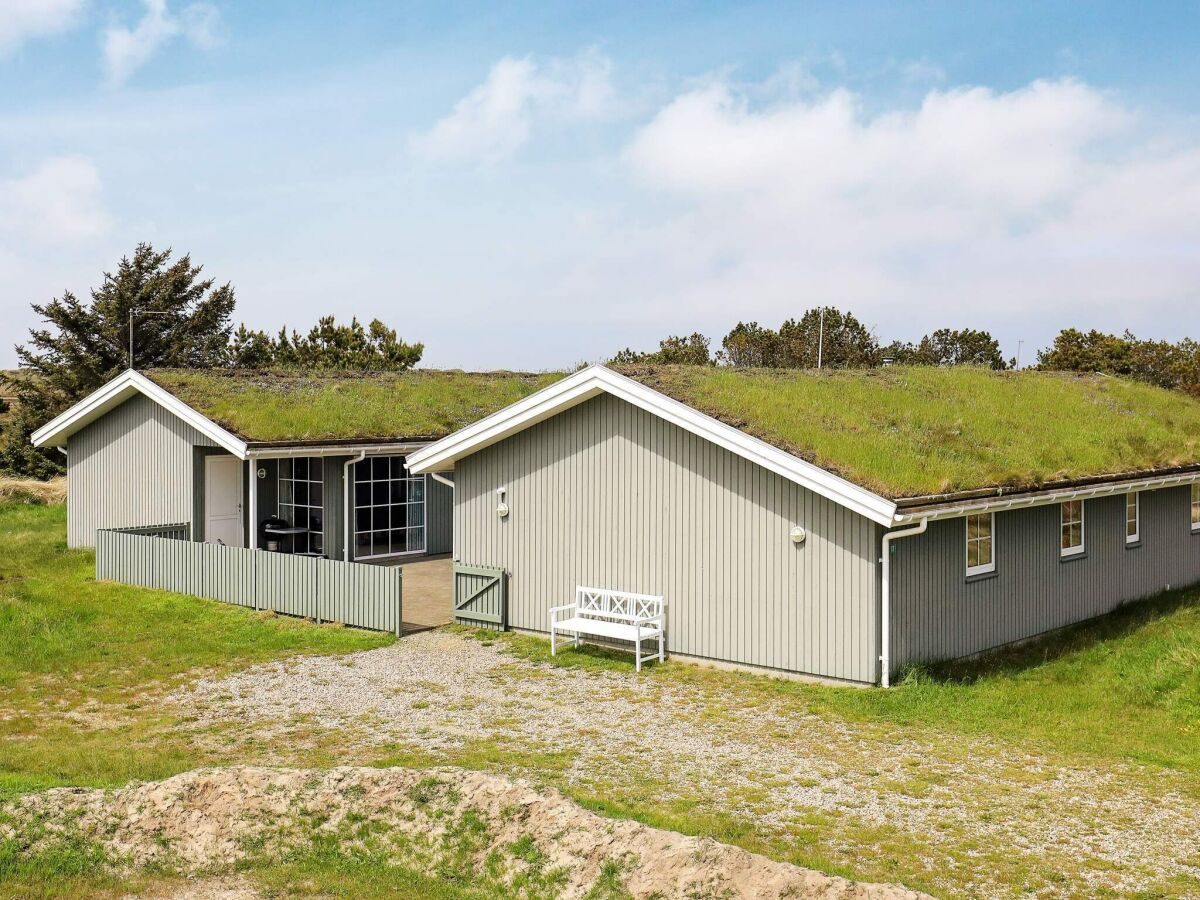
point(133, 466)
point(322, 589)
point(937, 613)
point(439, 516)
point(609, 495)
point(334, 501)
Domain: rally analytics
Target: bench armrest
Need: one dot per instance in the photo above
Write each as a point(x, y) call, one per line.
point(649, 620)
point(555, 611)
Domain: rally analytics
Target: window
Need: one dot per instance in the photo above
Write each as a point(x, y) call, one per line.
point(1133, 518)
point(389, 508)
point(301, 502)
point(1072, 528)
point(1196, 506)
point(980, 555)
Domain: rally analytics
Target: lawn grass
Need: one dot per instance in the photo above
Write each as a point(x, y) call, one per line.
point(1075, 691)
point(264, 406)
point(81, 665)
point(80, 661)
point(1125, 686)
point(917, 431)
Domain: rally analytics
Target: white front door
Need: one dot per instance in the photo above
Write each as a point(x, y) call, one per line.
point(223, 501)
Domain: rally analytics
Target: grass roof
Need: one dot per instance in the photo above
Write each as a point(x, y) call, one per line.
point(901, 432)
point(282, 407)
point(906, 432)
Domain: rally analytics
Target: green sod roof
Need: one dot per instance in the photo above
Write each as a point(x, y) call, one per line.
point(909, 432)
point(278, 407)
point(901, 432)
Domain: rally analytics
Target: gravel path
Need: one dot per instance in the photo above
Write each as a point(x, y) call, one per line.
point(976, 820)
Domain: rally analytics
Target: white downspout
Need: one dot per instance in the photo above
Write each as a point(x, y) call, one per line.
point(442, 479)
point(885, 643)
point(253, 517)
point(348, 506)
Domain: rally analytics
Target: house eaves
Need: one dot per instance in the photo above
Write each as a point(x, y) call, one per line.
point(914, 509)
point(126, 385)
point(595, 380)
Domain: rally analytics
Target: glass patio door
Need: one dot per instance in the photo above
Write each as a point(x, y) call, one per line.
point(389, 508)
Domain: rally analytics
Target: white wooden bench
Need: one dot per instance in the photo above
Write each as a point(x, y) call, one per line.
point(616, 615)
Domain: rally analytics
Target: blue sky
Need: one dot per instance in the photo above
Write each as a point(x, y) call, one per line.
point(537, 186)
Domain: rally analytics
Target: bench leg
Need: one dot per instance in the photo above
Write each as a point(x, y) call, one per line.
point(661, 655)
point(553, 649)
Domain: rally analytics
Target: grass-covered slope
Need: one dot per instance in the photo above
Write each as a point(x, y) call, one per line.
point(906, 432)
point(70, 645)
point(266, 406)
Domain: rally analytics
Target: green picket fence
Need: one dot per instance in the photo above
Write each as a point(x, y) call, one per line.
point(326, 590)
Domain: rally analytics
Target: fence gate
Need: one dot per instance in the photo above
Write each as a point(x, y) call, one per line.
point(481, 596)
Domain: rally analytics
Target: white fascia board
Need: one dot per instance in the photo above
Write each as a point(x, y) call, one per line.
point(266, 451)
point(595, 380)
point(1045, 498)
point(55, 432)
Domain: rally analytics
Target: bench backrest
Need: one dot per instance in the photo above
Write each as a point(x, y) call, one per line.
point(603, 603)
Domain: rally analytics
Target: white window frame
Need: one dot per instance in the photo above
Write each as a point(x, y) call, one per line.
point(989, 566)
point(1063, 522)
point(1196, 506)
point(404, 475)
point(1136, 537)
point(286, 509)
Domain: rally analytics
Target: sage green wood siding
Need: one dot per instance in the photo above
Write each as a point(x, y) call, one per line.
point(607, 494)
point(133, 466)
point(366, 596)
point(938, 613)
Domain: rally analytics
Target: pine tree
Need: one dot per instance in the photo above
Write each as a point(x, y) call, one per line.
point(180, 320)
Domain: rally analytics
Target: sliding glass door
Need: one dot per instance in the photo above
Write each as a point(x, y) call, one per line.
point(389, 508)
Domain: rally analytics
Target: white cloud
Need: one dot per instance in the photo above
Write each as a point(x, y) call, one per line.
point(59, 201)
point(495, 119)
point(127, 49)
point(21, 20)
point(1052, 201)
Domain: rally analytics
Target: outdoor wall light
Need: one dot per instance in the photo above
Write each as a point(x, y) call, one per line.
point(502, 509)
point(798, 535)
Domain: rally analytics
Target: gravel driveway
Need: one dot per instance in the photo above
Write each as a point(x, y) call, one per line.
point(963, 818)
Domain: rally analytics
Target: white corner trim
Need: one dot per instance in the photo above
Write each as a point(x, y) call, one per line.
point(55, 432)
point(594, 380)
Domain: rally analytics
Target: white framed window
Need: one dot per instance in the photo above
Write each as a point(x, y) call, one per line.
point(1071, 528)
point(981, 548)
point(1196, 506)
point(301, 502)
point(389, 508)
point(1133, 518)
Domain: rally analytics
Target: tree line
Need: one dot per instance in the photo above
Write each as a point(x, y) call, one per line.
point(180, 320)
point(846, 343)
point(824, 335)
point(184, 320)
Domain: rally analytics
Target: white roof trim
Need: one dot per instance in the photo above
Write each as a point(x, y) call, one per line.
point(402, 448)
point(129, 383)
point(594, 380)
point(1045, 498)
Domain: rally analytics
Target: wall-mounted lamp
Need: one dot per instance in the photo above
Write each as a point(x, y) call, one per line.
point(501, 510)
point(798, 535)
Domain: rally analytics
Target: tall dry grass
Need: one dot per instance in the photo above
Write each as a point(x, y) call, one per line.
point(29, 490)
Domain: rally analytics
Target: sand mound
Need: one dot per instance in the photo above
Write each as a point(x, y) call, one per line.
point(476, 826)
